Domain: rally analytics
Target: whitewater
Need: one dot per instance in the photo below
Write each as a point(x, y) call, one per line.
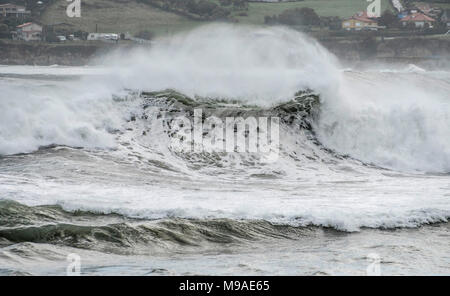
point(87, 165)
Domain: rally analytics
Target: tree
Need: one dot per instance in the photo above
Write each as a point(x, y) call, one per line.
point(220, 13)
point(240, 4)
point(388, 19)
point(205, 7)
point(304, 16)
point(226, 2)
point(147, 35)
point(332, 22)
point(4, 29)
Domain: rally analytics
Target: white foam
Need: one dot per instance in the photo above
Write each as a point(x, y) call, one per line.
point(257, 65)
point(35, 114)
point(395, 120)
point(374, 202)
point(399, 121)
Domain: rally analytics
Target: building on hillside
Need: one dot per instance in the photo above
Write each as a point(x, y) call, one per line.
point(13, 10)
point(429, 10)
point(445, 18)
point(360, 21)
point(28, 32)
point(419, 19)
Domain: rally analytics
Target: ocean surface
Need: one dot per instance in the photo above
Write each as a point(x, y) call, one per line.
point(358, 183)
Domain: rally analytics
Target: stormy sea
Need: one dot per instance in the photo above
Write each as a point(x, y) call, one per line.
point(357, 182)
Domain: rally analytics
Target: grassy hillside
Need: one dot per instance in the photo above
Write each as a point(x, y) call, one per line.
point(132, 16)
point(117, 16)
point(340, 8)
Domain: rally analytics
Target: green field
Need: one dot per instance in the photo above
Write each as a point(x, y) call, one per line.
point(340, 8)
point(119, 17)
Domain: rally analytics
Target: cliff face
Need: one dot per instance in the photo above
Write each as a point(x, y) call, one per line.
point(396, 49)
point(414, 48)
point(30, 53)
point(81, 53)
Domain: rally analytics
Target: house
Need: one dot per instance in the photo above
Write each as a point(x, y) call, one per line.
point(13, 10)
point(28, 32)
point(428, 10)
point(418, 19)
point(445, 18)
point(360, 21)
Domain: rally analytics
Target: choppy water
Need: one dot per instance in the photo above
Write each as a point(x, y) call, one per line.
point(88, 166)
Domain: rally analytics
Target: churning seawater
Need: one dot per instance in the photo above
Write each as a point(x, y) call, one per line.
point(87, 164)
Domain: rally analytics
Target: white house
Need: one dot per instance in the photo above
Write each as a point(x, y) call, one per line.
point(13, 10)
point(28, 32)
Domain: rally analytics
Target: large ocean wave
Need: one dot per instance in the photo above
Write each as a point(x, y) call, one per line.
point(352, 144)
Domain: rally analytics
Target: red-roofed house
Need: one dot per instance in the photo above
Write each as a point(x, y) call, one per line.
point(419, 20)
point(28, 32)
point(429, 10)
point(359, 21)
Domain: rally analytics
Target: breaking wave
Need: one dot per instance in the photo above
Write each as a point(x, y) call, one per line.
point(397, 121)
point(351, 143)
point(123, 235)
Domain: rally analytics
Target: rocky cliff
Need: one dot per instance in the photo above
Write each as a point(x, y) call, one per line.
point(409, 50)
point(39, 53)
point(414, 49)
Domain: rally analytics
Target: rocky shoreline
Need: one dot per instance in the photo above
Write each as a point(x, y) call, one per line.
point(426, 51)
point(45, 54)
point(422, 50)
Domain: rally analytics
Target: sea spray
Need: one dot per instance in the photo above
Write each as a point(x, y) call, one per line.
point(261, 66)
point(396, 121)
point(393, 120)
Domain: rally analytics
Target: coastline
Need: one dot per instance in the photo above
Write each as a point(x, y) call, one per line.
point(432, 53)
